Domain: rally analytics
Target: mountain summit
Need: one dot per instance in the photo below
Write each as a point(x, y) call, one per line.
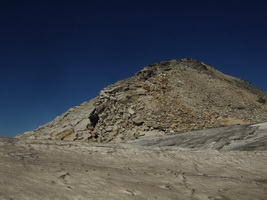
point(163, 98)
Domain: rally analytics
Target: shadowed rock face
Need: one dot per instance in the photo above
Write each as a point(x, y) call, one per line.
point(184, 166)
point(169, 97)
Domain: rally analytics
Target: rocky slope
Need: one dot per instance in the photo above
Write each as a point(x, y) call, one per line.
point(164, 98)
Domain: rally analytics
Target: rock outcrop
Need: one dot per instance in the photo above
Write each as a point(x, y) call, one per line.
point(169, 97)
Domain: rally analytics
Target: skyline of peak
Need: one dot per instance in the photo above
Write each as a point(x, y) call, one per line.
point(57, 54)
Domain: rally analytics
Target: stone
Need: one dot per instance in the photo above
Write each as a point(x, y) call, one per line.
point(94, 135)
point(113, 133)
point(32, 137)
point(115, 128)
point(173, 125)
point(65, 133)
point(109, 129)
point(131, 111)
point(141, 91)
point(235, 137)
point(138, 121)
point(70, 137)
point(44, 137)
point(177, 95)
point(85, 136)
point(82, 124)
point(129, 135)
point(146, 73)
point(52, 169)
point(125, 116)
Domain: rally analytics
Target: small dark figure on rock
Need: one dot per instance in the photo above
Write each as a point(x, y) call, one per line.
point(94, 119)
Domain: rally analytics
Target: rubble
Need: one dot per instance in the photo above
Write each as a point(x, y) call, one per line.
point(169, 97)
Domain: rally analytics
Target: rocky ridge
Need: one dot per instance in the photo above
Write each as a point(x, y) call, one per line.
point(164, 98)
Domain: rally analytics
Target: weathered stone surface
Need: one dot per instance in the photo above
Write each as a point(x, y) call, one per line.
point(138, 121)
point(66, 133)
point(71, 137)
point(236, 137)
point(82, 125)
point(147, 114)
point(131, 111)
point(173, 97)
point(52, 169)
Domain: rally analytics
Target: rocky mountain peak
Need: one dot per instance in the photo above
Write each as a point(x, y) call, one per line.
point(172, 64)
point(163, 98)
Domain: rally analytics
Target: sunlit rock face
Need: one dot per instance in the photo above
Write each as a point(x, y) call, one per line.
point(176, 130)
point(164, 98)
point(221, 163)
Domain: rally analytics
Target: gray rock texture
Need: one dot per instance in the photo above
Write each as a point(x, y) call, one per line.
point(176, 130)
point(235, 137)
point(184, 166)
point(169, 97)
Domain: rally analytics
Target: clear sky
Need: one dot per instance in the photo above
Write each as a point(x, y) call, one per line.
point(56, 54)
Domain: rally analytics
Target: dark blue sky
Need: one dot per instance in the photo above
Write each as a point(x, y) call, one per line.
point(57, 54)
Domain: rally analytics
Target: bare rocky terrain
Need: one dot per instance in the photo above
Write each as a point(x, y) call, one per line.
point(178, 129)
point(169, 97)
point(217, 164)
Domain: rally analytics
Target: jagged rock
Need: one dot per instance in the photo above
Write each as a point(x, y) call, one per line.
point(131, 111)
point(82, 125)
point(146, 73)
point(138, 121)
point(65, 134)
point(169, 97)
point(71, 137)
point(129, 135)
point(109, 128)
